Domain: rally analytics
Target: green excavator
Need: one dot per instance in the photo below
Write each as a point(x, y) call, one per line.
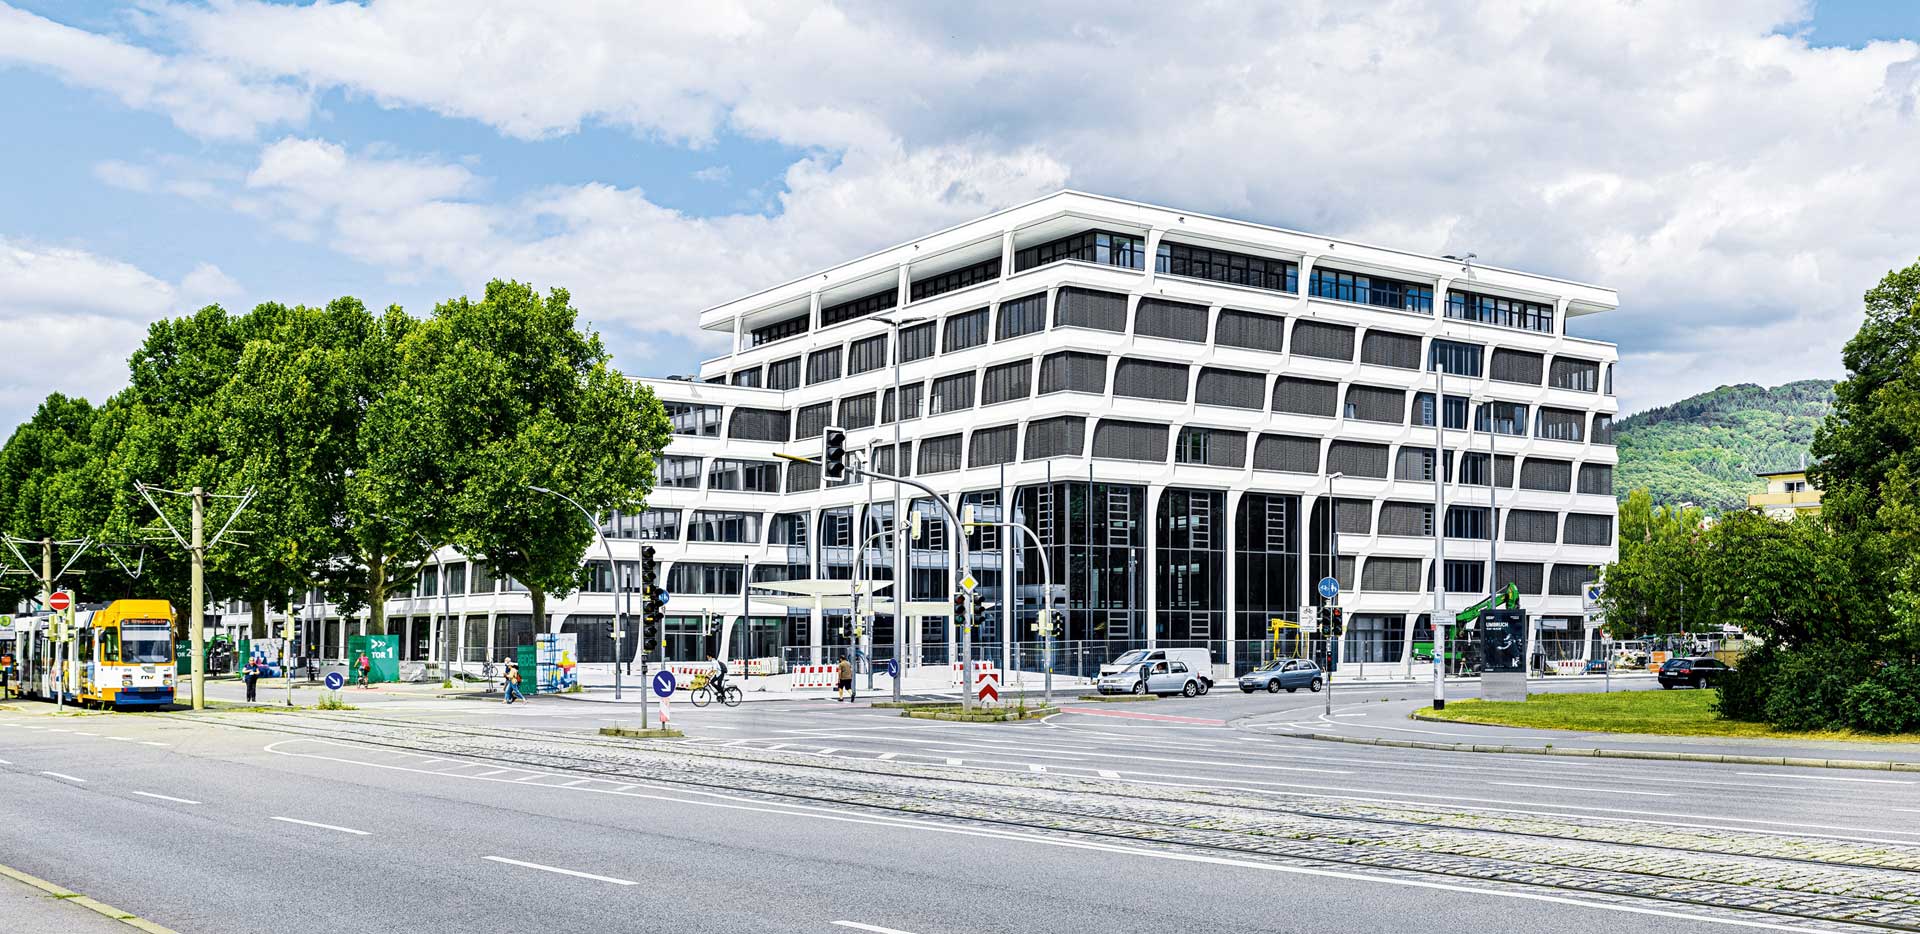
point(1507, 598)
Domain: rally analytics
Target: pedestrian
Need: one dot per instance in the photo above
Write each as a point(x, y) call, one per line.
point(845, 688)
point(6, 675)
point(253, 677)
point(365, 668)
point(512, 681)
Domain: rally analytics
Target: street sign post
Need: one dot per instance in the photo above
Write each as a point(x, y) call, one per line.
point(336, 681)
point(663, 684)
point(60, 601)
point(1329, 588)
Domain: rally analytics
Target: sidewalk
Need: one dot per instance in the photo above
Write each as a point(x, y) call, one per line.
point(29, 908)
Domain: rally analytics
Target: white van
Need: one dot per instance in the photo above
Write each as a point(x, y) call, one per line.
point(1158, 671)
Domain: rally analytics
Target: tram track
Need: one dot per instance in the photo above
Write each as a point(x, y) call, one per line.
point(1816, 883)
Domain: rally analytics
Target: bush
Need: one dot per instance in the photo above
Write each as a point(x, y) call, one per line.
point(1808, 689)
point(1888, 702)
point(1822, 689)
point(1743, 694)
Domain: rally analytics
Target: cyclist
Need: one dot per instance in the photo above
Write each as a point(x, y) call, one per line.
point(718, 681)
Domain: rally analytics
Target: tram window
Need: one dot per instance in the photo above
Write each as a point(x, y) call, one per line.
point(146, 645)
point(109, 645)
point(86, 649)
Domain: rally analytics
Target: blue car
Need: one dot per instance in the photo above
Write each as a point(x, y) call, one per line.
point(1596, 666)
point(1289, 674)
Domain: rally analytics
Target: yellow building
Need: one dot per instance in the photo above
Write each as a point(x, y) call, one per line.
point(1789, 493)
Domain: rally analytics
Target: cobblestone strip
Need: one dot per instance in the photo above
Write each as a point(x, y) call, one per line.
point(1834, 893)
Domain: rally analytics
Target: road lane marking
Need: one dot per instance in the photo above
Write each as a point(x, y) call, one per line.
point(953, 761)
point(533, 777)
point(1607, 791)
point(84, 733)
point(5, 762)
point(149, 794)
point(1833, 778)
point(63, 775)
point(494, 772)
point(308, 823)
point(556, 869)
point(1130, 715)
point(121, 739)
point(1036, 768)
point(148, 742)
point(873, 928)
point(888, 756)
point(575, 782)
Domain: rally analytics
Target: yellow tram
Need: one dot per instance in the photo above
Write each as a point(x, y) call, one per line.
point(119, 656)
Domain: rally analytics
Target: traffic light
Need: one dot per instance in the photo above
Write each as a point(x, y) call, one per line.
point(653, 600)
point(960, 604)
point(833, 457)
point(1336, 622)
point(979, 607)
point(649, 568)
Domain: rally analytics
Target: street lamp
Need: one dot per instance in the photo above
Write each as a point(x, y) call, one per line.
point(902, 587)
point(1333, 571)
point(620, 619)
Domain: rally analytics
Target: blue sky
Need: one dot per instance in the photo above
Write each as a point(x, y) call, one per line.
point(1721, 167)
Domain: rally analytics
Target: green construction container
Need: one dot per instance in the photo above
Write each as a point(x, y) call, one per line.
point(528, 658)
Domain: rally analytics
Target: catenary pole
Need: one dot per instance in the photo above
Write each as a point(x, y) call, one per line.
point(197, 612)
point(1439, 538)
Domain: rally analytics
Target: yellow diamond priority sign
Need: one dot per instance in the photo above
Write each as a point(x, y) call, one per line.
point(968, 584)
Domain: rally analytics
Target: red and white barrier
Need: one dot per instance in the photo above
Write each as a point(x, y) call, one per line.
point(815, 676)
point(958, 671)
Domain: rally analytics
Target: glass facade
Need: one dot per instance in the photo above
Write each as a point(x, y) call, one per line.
point(1094, 536)
point(1191, 562)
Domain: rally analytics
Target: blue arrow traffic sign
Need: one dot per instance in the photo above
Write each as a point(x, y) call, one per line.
point(663, 684)
point(1329, 588)
point(336, 681)
point(664, 595)
point(893, 668)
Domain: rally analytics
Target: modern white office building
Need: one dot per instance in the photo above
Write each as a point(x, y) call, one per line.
point(1199, 418)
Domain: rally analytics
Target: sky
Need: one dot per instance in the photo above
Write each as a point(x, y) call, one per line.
point(1741, 172)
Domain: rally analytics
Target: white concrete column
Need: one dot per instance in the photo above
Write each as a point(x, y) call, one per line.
point(739, 333)
point(1232, 603)
point(1006, 254)
point(1149, 518)
point(816, 629)
point(1153, 250)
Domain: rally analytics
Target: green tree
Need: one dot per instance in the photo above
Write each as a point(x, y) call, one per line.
point(508, 393)
point(1654, 587)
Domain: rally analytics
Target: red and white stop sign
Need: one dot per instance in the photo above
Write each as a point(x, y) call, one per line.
point(60, 600)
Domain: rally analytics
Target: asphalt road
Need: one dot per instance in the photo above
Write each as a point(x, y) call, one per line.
point(236, 824)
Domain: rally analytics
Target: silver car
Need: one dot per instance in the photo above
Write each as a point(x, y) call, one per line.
point(1290, 674)
point(1160, 677)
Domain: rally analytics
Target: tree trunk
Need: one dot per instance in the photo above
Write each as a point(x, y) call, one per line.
point(258, 628)
point(377, 596)
point(539, 610)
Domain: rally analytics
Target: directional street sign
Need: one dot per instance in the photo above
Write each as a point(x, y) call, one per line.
point(1592, 591)
point(60, 601)
point(336, 681)
point(893, 668)
point(1329, 588)
point(663, 684)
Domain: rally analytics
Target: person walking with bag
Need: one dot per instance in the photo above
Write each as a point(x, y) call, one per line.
point(252, 677)
point(844, 690)
point(512, 681)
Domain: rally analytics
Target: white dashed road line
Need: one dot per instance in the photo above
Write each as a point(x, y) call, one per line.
point(65, 777)
point(556, 869)
point(1609, 791)
point(872, 928)
point(1833, 778)
point(149, 794)
point(308, 823)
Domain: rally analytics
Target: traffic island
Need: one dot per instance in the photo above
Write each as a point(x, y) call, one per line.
point(1118, 698)
point(957, 713)
point(627, 733)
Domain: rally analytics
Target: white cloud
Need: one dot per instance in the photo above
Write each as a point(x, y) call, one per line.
point(201, 97)
point(207, 284)
point(124, 175)
point(1740, 187)
point(714, 173)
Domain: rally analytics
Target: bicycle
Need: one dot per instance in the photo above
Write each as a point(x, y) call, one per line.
point(705, 693)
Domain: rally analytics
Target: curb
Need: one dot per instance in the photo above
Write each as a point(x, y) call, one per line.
point(1877, 765)
point(75, 898)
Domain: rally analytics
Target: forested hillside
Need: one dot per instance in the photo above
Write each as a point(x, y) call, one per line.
point(1705, 449)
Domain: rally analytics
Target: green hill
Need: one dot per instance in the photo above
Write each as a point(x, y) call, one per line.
point(1706, 448)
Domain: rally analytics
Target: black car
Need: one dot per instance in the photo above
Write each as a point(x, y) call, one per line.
point(1697, 671)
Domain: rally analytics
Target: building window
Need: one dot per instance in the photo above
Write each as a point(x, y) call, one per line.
point(1086, 308)
point(712, 525)
point(1471, 522)
point(812, 421)
point(882, 300)
point(784, 374)
point(1180, 321)
point(1353, 516)
point(1006, 382)
point(1072, 371)
point(1577, 375)
point(1372, 290)
point(1374, 637)
point(1505, 312)
point(1602, 428)
point(1260, 272)
point(1191, 567)
point(1533, 525)
point(802, 477)
point(952, 393)
point(1508, 418)
point(1568, 579)
point(911, 392)
point(1377, 404)
point(883, 459)
point(743, 476)
point(1150, 379)
point(1287, 454)
point(1589, 530)
point(1466, 577)
point(687, 418)
point(779, 330)
point(1061, 436)
point(1096, 534)
point(867, 353)
point(1597, 479)
point(1093, 246)
point(857, 411)
point(759, 425)
point(1406, 520)
point(990, 446)
point(1542, 474)
point(823, 366)
point(1357, 459)
point(1234, 389)
point(940, 455)
point(836, 527)
point(1319, 339)
point(1390, 348)
point(1251, 330)
point(1391, 575)
point(968, 329)
point(676, 472)
point(1130, 441)
point(659, 525)
point(1454, 357)
point(1211, 447)
point(1022, 316)
point(916, 343)
point(1455, 411)
point(986, 270)
point(1301, 396)
point(1528, 577)
point(1474, 469)
point(1414, 463)
point(749, 378)
point(1266, 549)
point(692, 577)
point(1516, 366)
point(1560, 424)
